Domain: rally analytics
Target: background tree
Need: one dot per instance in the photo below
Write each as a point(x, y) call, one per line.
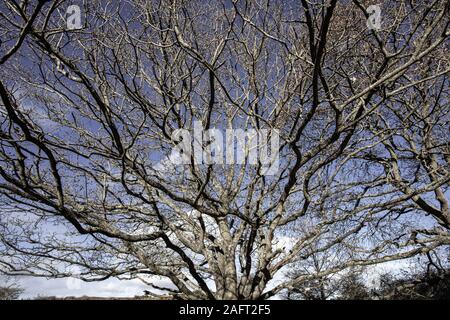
point(353, 287)
point(86, 116)
point(428, 279)
point(10, 290)
point(433, 286)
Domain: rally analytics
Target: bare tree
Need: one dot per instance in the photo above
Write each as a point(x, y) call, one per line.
point(88, 116)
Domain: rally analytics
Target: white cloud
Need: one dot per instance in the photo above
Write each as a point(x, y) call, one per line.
point(63, 287)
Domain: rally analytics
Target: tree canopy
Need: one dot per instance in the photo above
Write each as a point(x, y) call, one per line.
point(89, 117)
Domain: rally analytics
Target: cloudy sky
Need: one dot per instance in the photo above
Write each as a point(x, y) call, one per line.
point(128, 288)
point(73, 287)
